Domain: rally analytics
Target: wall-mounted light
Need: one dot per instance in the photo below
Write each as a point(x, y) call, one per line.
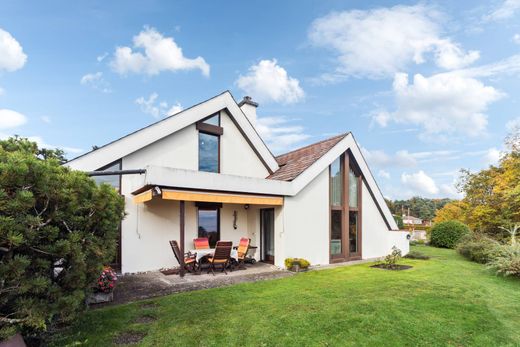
point(235, 214)
point(246, 206)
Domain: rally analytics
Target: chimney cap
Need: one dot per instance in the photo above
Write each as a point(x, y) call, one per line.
point(247, 100)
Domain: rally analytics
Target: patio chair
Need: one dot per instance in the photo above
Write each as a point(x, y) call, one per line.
point(190, 260)
point(201, 243)
point(220, 257)
point(243, 248)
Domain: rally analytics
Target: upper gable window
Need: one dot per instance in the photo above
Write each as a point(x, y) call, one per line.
point(113, 180)
point(209, 143)
point(213, 120)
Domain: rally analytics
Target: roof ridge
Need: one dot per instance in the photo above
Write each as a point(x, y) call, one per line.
point(313, 144)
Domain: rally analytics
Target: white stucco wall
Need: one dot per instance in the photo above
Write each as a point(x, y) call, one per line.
point(237, 156)
point(306, 222)
point(377, 239)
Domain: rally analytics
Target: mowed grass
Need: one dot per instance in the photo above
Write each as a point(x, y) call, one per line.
point(442, 301)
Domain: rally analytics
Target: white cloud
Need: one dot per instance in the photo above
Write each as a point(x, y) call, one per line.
point(277, 132)
point(1, 91)
point(42, 144)
point(492, 156)
point(380, 158)
point(384, 174)
point(379, 42)
point(101, 57)
point(11, 119)
point(442, 104)
point(516, 38)
point(12, 57)
point(505, 10)
point(175, 109)
point(153, 53)
point(157, 108)
point(420, 183)
point(45, 119)
point(513, 124)
point(268, 81)
point(96, 81)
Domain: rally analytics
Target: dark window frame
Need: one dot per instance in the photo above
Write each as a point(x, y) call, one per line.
point(347, 162)
point(213, 130)
point(209, 207)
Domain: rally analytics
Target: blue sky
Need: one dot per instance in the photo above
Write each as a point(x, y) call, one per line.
point(427, 88)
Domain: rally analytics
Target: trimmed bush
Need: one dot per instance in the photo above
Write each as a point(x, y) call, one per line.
point(448, 234)
point(417, 255)
point(507, 261)
point(478, 248)
point(304, 264)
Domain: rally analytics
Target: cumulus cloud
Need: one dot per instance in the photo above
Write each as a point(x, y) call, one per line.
point(278, 133)
point(384, 174)
point(377, 43)
point(506, 9)
point(153, 53)
point(442, 104)
point(12, 57)
point(513, 124)
point(268, 81)
point(42, 144)
point(420, 182)
point(96, 81)
point(492, 156)
point(156, 108)
point(516, 38)
point(380, 158)
point(11, 119)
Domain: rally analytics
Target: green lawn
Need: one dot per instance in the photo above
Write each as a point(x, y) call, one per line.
point(442, 301)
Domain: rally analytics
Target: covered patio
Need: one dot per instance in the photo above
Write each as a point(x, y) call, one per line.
point(217, 216)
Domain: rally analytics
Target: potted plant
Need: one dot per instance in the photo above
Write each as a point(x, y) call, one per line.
point(104, 288)
point(297, 264)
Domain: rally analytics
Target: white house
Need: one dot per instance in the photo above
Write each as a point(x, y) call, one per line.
point(411, 220)
point(206, 172)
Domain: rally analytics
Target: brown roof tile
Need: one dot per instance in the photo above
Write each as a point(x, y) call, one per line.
point(295, 162)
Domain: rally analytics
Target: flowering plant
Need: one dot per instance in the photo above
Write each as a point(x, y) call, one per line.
point(107, 281)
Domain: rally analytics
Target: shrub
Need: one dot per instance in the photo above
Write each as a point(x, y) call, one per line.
point(507, 261)
point(57, 229)
point(417, 255)
point(304, 264)
point(447, 234)
point(392, 258)
point(399, 221)
point(478, 248)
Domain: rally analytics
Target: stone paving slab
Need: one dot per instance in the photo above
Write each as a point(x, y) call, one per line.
point(152, 284)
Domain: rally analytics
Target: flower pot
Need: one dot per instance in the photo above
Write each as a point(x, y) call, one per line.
point(13, 341)
point(100, 297)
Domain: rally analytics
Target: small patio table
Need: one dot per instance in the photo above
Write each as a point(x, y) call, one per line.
point(201, 253)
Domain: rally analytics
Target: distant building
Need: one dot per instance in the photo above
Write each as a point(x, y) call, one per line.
point(410, 220)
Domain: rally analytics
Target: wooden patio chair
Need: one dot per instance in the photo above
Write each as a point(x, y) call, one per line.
point(243, 248)
point(190, 260)
point(221, 256)
point(201, 243)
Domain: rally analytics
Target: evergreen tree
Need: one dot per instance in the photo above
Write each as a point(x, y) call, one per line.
point(57, 230)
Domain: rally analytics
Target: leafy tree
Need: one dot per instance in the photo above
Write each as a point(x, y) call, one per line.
point(491, 204)
point(399, 221)
point(419, 207)
point(57, 230)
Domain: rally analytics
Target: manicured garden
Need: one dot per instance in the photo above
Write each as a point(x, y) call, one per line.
point(446, 300)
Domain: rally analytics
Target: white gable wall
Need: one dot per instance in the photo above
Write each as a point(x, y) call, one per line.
point(377, 240)
point(306, 223)
point(236, 155)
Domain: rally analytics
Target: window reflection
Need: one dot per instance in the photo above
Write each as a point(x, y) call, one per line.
point(208, 152)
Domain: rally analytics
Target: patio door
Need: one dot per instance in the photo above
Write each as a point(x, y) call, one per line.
point(267, 234)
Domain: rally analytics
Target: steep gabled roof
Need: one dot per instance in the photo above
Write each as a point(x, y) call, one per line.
point(141, 138)
point(295, 162)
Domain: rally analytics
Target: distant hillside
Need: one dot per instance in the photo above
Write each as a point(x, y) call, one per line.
point(419, 207)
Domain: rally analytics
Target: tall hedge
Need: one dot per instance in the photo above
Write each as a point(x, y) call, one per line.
point(448, 234)
point(57, 230)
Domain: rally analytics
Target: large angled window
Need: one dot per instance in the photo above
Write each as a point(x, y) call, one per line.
point(209, 143)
